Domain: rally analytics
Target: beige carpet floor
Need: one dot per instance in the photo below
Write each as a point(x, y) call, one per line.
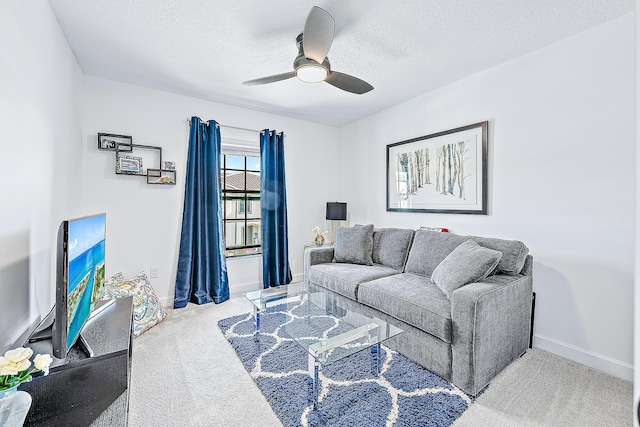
point(185, 373)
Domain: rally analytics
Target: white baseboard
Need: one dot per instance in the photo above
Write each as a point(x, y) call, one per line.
point(234, 290)
point(595, 360)
point(167, 302)
point(238, 290)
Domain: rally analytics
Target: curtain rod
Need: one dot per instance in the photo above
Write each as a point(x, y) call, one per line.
point(231, 127)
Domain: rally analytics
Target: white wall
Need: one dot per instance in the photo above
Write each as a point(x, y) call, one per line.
point(40, 83)
point(561, 179)
point(143, 221)
point(636, 335)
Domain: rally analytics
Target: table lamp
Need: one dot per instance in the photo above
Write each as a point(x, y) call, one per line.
point(336, 212)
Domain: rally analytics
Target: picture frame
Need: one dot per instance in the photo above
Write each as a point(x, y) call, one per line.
point(445, 172)
point(169, 166)
point(113, 142)
point(161, 176)
point(128, 165)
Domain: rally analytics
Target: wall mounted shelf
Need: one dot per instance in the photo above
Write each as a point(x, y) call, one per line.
point(128, 164)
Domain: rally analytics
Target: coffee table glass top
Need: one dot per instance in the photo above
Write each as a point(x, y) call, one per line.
point(324, 323)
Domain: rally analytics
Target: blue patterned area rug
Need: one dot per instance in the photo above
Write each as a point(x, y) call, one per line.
point(404, 394)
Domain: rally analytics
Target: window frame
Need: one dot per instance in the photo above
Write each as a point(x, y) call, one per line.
point(247, 215)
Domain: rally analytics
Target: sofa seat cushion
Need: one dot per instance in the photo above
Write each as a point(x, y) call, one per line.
point(345, 278)
point(412, 298)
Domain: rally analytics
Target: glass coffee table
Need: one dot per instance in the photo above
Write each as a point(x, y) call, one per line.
point(317, 320)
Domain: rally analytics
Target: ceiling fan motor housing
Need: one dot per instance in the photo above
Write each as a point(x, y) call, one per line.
point(302, 60)
point(307, 69)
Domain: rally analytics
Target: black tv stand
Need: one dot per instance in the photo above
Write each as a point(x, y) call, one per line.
point(95, 374)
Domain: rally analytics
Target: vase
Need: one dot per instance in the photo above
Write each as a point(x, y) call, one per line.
point(319, 240)
point(14, 406)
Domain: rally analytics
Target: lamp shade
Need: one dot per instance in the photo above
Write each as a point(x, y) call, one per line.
point(336, 211)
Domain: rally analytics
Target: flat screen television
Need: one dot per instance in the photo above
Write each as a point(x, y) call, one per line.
point(80, 276)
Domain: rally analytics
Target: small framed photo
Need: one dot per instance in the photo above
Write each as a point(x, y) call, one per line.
point(170, 166)
point(113, 142)
point(161, 176)
point(128, 165)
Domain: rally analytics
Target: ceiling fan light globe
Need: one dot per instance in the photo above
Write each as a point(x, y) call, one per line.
point(311, 73)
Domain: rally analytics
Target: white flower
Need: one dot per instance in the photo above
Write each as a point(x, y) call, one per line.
point(317, 231)
point(23, 365)
point(15, 366)
point(18, 354)
point(12, 368)
point(7, 367)
point(42, 362)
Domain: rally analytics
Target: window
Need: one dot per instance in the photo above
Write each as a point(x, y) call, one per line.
point(240, 180)
point(243, 206)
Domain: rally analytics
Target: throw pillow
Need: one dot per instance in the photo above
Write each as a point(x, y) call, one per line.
point(442, 230)
point(354, 245)
point(391, 246)
point(147, 310)
point(468, 263)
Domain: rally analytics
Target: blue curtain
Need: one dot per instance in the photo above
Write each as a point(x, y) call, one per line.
point(202, 267)
point(273, 198)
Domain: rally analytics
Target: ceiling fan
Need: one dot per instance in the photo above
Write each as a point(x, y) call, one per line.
point(312, 64)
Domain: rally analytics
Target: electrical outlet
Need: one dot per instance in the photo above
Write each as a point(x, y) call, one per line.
point(154, 271)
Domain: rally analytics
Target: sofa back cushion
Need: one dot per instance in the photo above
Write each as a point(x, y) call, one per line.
point(354, 245)
point(430, 248)
point(391, 246)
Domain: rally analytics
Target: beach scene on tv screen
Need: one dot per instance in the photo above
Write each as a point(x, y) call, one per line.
point(86, 270)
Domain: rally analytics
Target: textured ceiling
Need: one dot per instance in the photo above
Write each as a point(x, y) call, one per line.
point(206, 48)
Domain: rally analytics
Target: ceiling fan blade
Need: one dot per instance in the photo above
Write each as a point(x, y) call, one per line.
point(348, 83)
point(318, 34)
point(270, 79)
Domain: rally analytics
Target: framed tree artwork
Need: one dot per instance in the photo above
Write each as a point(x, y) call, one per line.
point(445, 172)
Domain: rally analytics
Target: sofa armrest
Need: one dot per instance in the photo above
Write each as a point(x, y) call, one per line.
point(317, 255)
point(491, 322)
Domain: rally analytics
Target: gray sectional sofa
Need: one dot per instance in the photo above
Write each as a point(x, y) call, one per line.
point(464, 332)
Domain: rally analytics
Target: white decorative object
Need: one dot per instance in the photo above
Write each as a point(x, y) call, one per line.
point(319, 239)
point(15, 369)
point(170, 166)
point(14, 406)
